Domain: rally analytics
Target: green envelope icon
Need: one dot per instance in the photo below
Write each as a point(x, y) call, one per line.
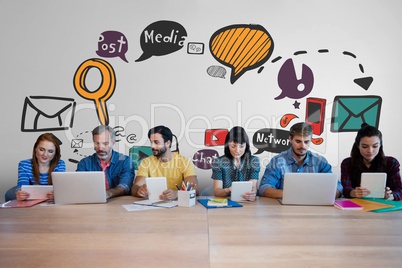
point(349, 112)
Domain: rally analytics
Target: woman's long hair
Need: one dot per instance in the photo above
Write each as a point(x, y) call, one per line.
point(378, 162)
point(53, 163)
point(237, 135)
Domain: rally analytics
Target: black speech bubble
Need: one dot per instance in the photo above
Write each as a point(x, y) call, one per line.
point(161, 38)
point(271, 140)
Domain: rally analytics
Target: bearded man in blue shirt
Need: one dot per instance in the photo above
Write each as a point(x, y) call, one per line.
point(118, 168)
point(296, 159)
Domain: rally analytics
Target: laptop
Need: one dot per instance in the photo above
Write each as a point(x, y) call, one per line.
point(314, 189)
point(375, 182)
point(84, 187)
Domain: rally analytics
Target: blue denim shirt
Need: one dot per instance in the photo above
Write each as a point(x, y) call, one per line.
point(120, 172)
point(285, 162)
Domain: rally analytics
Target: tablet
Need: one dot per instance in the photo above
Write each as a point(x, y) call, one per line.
point(239, 188)
point(37, 191)
point(156, 186)
point(375, 182)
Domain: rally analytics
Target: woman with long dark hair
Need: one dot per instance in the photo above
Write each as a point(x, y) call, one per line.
point(38, 170)
point(367, 155)
point(237, 164)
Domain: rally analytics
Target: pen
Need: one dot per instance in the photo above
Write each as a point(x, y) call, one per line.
point(177, 187)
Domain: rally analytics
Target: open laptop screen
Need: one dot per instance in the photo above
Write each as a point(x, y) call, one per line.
point(79, 187)
point(309, 188)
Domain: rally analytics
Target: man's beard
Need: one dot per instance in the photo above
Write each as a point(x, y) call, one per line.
point(159, 153)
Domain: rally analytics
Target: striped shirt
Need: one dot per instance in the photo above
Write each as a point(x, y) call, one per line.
point(25, 175)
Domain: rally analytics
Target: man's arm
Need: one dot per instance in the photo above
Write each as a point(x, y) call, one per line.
point(114, 192)
point(139, 188)
point(273, 193)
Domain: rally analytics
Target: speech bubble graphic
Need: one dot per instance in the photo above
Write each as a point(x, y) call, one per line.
point(203, 159)
point(285, 120)
point(161, 38)
point(216, 71)
point(271, 140)
point(241, 47)
point(317, 141)
point(291, 86)
point(112, 44)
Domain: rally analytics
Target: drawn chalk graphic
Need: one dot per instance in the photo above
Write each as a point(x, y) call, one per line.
point(363, 82)
point(315, 114)
point(161, 38)
point(296, 104)
point(241, 47)
point(271, 140)
point(103, 92)
point(349, 112)
point(291, 86)
point(216, 71)
point(112, 44)
point(44, 113)
point(204, 158)
point(139, 153)
point(81, 142)
point(285, 119)
point(195, 48)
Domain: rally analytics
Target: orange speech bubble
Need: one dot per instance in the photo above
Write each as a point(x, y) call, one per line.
point(241, 47)
point(285, 120)
point(317, 141)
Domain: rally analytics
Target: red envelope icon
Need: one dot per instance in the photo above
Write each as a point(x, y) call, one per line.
point(43, 113)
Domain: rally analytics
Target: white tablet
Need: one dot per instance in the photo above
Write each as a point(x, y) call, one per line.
point(239, 188)
point(375, 182)
point(37, 191)
point(156, 186)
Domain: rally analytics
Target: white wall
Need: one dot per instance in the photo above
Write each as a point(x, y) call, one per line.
point(44, 42)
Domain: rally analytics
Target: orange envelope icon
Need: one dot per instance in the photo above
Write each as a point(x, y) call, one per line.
point(43, 113)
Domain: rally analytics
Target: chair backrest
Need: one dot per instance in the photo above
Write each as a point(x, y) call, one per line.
point(10, 194)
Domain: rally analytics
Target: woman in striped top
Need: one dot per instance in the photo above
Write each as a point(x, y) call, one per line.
point(37, 170)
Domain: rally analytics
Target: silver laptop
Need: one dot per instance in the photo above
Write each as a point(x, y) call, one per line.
point(317, 189)
point(79, 187)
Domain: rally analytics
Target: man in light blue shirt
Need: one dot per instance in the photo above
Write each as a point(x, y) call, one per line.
point(296, 159)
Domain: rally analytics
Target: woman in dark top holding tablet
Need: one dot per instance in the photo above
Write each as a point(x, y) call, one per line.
point(367, 155)
point(237, 164)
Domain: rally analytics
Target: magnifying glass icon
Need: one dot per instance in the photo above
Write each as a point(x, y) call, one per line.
point(103, 92)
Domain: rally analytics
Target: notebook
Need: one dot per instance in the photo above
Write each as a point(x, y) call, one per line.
point(239, 188)
point(375, 182)
point(317, 189)
point(79, 187)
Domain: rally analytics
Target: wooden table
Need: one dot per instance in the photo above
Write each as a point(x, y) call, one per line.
point(263, 233)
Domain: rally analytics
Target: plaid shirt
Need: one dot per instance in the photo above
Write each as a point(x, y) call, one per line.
point(391, 168)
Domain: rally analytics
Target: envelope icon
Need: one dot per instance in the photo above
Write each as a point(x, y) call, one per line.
point(43, 113)
point(349, 112)
point(77, 143)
